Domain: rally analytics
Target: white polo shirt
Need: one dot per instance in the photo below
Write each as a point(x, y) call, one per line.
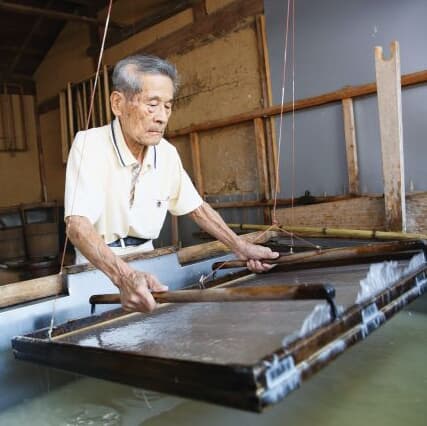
point(98, 185)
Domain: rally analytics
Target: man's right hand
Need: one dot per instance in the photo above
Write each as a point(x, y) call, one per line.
point(135, 291)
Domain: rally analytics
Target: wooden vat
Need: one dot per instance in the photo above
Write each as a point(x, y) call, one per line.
point(246, 355)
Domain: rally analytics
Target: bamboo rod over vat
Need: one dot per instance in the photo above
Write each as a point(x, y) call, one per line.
point(333, 232)
point(335, 254)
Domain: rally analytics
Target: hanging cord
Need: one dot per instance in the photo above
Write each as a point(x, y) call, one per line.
point(92, 98)
point(293, 121)
point(282, 103)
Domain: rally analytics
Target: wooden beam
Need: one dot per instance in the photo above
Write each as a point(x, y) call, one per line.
point(390, 116)
point(351, 146)
point(48, 13)
point(216, 24)
point(327, 98)
point(195, 158)
point(157, 16)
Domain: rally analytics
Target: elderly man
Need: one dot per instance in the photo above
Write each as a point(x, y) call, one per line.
point(122, 179)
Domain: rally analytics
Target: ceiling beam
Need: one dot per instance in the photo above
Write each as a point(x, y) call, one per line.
point(155, 17)
point(26, 51)
point(30, 10)
point(49, 13)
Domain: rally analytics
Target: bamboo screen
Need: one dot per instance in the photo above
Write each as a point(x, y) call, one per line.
point(74, 106)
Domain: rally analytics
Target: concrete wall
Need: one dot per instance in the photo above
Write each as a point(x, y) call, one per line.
point(334, 42)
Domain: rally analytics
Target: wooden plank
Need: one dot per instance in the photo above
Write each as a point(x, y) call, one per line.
point(390, 116)
point(27, 291)
point(326, 98)
point(64, 125)
point(195, 158)
point(351, 146)
point(70, 112)
point(107, 94)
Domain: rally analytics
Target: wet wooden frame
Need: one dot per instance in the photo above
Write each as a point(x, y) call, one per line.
point(250, 387)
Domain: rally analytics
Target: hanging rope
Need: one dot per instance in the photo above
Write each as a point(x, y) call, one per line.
point(92, 99)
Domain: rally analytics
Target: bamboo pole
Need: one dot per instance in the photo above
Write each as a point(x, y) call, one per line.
point(335, 254)
point(334, 232)
point(203, 251)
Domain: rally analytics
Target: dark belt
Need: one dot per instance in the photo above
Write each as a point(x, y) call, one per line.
point(128, 241)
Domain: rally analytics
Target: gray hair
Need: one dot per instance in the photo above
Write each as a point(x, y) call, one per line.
point(126, 73)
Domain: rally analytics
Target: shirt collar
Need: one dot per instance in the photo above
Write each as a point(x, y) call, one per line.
point(124, 155)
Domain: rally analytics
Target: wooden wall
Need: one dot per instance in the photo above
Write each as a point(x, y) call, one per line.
point(358, 213)
point(220, 77)
point(19, 171)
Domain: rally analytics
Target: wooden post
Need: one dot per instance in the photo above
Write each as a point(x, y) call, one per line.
point(350, 146)
point(264, 67)
point(175, 230)
point(85, 108)
point(64, 125)
point(70, 112)
point(195, 157)
point(390, 116)
point(42, 169)
point(100, 103)
point(107, 95)
point(92, 103)
point(262, 164)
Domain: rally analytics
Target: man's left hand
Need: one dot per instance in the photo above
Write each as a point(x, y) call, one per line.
point(254, 254)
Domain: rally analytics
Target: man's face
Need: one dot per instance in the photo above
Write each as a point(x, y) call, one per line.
point(144, 117)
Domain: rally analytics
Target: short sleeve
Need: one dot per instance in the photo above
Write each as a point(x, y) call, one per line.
point(185, 197)
point(84, 186)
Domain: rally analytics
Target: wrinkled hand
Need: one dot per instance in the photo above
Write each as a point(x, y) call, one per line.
point(135, 294)
point(254, 254)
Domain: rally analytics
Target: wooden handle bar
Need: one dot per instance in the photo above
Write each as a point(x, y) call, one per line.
point(366, 250)
point(236, 294)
